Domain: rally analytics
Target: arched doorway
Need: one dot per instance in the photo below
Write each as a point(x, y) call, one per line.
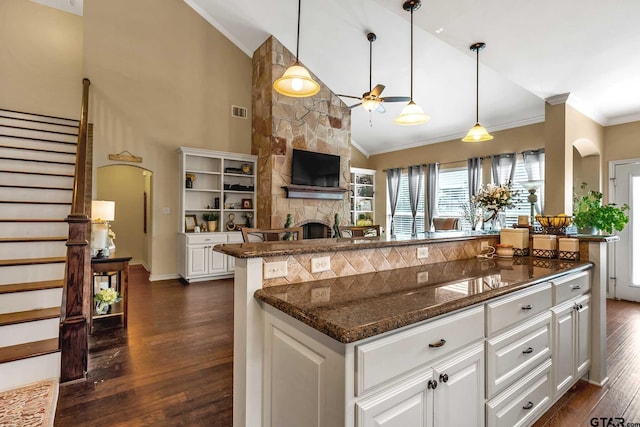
point(130, 187)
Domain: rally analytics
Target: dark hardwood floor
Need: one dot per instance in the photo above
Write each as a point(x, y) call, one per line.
point(173, 365)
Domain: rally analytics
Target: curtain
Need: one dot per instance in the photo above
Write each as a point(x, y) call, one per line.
point(393, 188)
point(503, 168)
point(416, 176)
point(474, 171)
point(431, 194)
point(534, 165)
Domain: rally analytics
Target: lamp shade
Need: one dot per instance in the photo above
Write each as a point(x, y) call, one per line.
point(296, 82)
point(370, 104)
point(477, 134)
point(411, 114)
point(103, 210)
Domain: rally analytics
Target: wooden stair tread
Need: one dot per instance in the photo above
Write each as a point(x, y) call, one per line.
point(39, 150)
point(31, 286)
point(31, 261)
point(29, 316)
point(30, 138)
point(35, 187)
point(66, 175)
point(40, 130)
point(30, 349)
point(22, 119)
point(34, 202)
point(33, 239)
point(28, 220)
point(20, 159)
point(6, 110)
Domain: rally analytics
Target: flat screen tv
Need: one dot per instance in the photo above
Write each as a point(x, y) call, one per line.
point(315, 169)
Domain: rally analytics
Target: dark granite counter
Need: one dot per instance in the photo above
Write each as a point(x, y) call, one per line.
point(355, 307)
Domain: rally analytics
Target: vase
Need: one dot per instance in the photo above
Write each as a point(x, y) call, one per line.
point(212, 225)
point(102, 307)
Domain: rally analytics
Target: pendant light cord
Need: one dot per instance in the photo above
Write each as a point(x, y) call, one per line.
point(411, 89)
point(370, 66)
point(477, 83)
point(298, 33)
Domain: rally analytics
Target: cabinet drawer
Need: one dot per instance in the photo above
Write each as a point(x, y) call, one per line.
point(567, 287)
point(515, 352)
point(524, 402)
point(385, 358)
point(517, 307)
point(204, 238)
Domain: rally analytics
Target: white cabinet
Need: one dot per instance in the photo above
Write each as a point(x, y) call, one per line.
point(198, 260)
point(362, 190)
point(571, 344)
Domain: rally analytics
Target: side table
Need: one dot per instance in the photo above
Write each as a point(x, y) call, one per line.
point(110, 272)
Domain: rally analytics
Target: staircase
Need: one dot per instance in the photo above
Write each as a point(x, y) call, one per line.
point(37, 161)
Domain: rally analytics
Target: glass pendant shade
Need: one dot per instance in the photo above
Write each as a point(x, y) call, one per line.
point(370, 104)
point(411, 114)
point(477, 134)
point(296, 82)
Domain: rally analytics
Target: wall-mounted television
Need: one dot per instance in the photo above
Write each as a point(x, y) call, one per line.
point(315, 169)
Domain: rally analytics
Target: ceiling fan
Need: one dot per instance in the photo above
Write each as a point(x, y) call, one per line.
point(371, 100)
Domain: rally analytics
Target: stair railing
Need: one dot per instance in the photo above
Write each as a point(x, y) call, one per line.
point(76, 304)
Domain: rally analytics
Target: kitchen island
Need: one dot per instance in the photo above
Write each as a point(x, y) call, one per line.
point(304, 353)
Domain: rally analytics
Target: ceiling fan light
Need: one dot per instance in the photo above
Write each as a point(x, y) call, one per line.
point(477, 134)
point(412, 114)
point(370, 104)
point(296, 82)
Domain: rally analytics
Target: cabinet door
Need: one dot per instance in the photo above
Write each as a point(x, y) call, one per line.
point(409, 403)
point(231, 261)
point(583, 337)
point(459, 398)
point(563, 347)
point(217, 261)
point(197, 260)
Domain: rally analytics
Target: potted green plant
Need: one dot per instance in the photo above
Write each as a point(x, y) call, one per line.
point(212, 220)
point(589, 213)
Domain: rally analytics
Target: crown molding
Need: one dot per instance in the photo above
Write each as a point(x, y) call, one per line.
point(558, 99)
point(626, 118)
point(360, 148)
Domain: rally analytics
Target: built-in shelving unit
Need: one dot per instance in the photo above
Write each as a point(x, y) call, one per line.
point(362, 190)
point(220, 183)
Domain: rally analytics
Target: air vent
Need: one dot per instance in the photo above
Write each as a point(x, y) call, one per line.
point(239, 112)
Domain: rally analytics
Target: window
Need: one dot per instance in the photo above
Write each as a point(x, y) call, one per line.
point(522, 205)
point(403, 218)
point(453, 193)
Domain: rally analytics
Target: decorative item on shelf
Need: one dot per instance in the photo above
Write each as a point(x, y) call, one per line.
point(102, 211)
point(504, 250)
point(247, 204)
point(554, 224)
point(216, 203)
point(189, 179)
point(104, 298)
point(111, 241)
point(288, 224)
point(493, 200)
point(411, 114)
point(296, 80)
point(518, 238)
point(190, 223)
point(545, 246)
point(212, 220)
point(363, 221)
point(231, 225)
point(246, 168)
point(589, 213)
point(569, 248)
point(472, 212)
point(336, 226)
point(532, 186)
point(249, 220)
point(477, 133)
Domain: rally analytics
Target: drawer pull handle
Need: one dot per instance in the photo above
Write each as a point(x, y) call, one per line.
point(576, 287)
point(438, 344)
point(527, 307)
point(432, 384)
point(528, 406)
point(444, 378)
point(527, 351)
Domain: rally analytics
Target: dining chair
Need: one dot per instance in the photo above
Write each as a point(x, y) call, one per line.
point(271, 234)
point(359, 231)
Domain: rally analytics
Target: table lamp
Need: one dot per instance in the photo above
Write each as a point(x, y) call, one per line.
point(102, 211)
point(531, 186)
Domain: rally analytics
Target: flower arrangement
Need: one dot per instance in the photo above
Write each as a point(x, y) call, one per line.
point(107, 296)
point(495, 199)
point(472, 212)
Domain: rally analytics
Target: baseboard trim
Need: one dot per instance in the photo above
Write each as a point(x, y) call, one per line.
point(601, 384)
point(157, 277)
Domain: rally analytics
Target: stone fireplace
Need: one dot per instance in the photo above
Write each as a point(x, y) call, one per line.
point(315, 229)
point(321, 123)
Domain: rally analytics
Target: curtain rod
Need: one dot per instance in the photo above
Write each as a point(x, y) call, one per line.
point(481, 157)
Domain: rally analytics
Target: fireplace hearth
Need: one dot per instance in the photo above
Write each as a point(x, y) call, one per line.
point(315, 230)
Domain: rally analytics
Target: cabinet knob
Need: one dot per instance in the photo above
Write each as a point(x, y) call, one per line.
point(432, 384)
point(438, 344)
point(444, 378)
point(528, 406)
point(527, 307)
point(576, 287)
point(527, 351)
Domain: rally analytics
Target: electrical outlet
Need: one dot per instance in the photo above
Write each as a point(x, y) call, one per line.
point(484, 245)
point(166, 211)
point(273, 270)
point(320, 264)
point(422, 277)
point(320, 294)
point(423, 252)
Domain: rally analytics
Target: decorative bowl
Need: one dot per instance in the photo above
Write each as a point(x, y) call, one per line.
point(554, 222)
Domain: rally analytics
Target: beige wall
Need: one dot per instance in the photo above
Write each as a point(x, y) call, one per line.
point(162, 77)
point(40, 59)
point(358, 159)
point(621, 142)
point(506, 141)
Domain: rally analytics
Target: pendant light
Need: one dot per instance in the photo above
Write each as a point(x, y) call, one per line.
point(477, 133)
point(411, 114)
point(296, 81)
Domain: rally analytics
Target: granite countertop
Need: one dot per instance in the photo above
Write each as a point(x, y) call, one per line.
point(353, 308)
point(307, 246)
